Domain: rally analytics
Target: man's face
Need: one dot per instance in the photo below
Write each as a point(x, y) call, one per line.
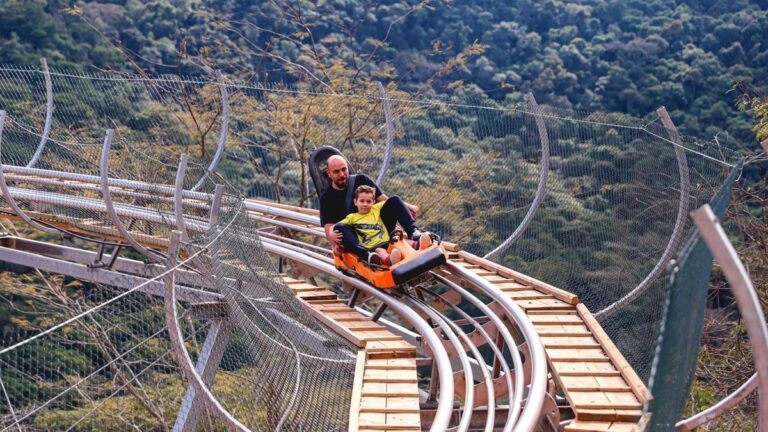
point(364, 202)
point(338, 173)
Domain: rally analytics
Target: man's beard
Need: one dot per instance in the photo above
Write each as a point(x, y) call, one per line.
point(341, 184)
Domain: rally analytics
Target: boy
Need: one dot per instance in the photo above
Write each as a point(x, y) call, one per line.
point(367, 227)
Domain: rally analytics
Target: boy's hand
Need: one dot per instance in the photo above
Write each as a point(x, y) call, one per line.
point(413, 209)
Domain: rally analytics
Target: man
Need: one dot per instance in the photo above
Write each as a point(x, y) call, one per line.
point(333, 206)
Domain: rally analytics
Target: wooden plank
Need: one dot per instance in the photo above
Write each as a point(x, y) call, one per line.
point(595, 383)
point(585, 368)
point(377, 335)
point(514, 286)
point(402, 363)
point(598, 426)
point(550, 342)
point(629, 374)
point(599, 399)
point(549, 304)
point(562, 330)
point(609, 415)
point(553, 312)
point(390, 389)
point(519, 277)
point(334, 325)
point(357, 391)
point(527, 294)
point(577, 354)
point(556, 319)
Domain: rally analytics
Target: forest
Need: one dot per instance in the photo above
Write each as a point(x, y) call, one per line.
point(705, 61)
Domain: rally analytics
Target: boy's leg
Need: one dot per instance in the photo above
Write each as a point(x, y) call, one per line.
point(350, 241)
point(394, 211)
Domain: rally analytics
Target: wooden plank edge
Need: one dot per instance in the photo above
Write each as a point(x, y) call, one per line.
point(560, 294)
point(629, 374)
point(334, 325)
point(357, 391)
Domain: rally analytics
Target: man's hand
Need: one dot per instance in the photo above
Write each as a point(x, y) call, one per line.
point(333, 236)
point(336, 238)
point(413, 209)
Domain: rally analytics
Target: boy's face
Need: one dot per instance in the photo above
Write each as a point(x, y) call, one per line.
point(364, 202)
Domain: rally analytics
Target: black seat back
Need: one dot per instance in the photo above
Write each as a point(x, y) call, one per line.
point(318, 165)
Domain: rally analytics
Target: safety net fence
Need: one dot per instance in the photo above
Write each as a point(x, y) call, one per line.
point(96, 354)
point(594, 203)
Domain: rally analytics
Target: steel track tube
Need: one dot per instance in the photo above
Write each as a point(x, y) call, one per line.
point(178, 207)
point(445, 400)
point(390, 129)
point(454, 335)
point(222, 132)
point(677, 232)
point(487, 376)
point(538, 388)
point(516, 387)
point(541, 189)
point(719, 408)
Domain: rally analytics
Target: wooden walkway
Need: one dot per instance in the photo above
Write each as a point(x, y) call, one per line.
point(385, 395)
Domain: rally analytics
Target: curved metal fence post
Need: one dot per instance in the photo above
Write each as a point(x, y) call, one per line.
point(218, 193)
point(48, 113)
point(177, 340)
point(746, 298)
point(677, 232)
point(540, 189)
point(390, 127)
point(107, 197)
point(178, 206)
point(222, 132)
point(719, 408)
point(7, 191)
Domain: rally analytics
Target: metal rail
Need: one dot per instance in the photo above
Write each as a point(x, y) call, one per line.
point(746, 298)
point(538, 388)
point(541, 189)
point(445, 400)
point(48, 113)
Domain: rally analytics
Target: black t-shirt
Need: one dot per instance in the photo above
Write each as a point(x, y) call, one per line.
point(332, 207)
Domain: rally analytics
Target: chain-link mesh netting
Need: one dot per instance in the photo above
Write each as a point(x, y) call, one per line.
point(608, 211)
point(273, 367)
point(110, 369)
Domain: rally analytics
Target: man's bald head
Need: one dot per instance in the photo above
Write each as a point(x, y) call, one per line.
point(338, 172)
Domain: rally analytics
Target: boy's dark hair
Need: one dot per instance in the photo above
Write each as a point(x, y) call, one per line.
point(364, 189)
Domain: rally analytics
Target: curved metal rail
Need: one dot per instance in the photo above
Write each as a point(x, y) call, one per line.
point(677, 232)
point(540, 189)
point(222, 133)
point(48, 113)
